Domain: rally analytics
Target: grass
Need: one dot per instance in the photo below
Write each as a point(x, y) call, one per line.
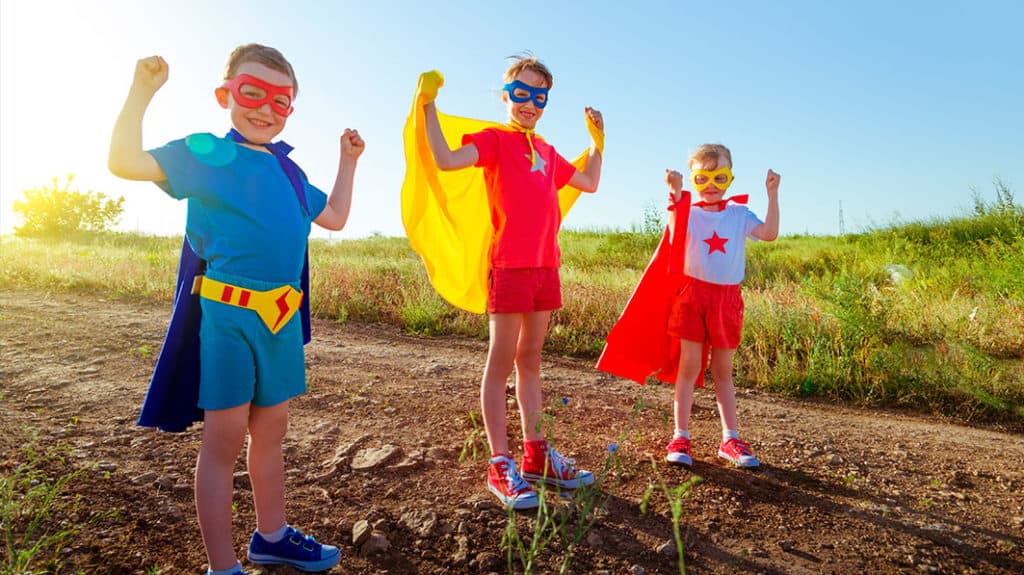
point(37, 516)
point(562, 520)
point(475, 443)
point(675, 497)
point(927, 316)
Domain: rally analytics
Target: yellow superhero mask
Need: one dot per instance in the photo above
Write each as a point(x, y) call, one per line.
point(722, 178)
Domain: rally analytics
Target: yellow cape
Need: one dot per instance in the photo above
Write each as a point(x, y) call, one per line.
point(446, 215)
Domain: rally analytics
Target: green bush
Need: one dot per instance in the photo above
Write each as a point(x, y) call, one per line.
point(55, 210)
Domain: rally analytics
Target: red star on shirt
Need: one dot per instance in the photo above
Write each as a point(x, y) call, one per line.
point(716, 244)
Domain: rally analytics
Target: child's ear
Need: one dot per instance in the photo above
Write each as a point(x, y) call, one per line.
point(222, 97)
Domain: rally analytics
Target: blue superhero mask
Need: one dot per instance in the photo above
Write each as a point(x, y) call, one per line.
point(519, 92)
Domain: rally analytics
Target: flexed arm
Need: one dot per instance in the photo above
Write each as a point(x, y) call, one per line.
point(445, 158)
point(590, 177)
point(339, 203)
point(127, 159)
point(769, 230)
point(675, 191)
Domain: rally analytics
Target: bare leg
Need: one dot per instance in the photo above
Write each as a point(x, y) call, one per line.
point(267, 427)
point(725, 393)
point(223, 435)
point(500, 362)
point(690, 362)
point(528, 386)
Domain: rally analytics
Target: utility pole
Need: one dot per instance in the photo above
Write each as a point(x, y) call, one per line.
point(842, 223)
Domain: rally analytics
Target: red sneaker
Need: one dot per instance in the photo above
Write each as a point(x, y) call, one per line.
point(679, 452)
point(737, 452)
point(505, 482)
point(561, 470)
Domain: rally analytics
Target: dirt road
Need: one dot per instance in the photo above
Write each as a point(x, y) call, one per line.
point(379, 433)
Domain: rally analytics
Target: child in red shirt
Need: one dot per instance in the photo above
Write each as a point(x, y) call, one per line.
point(523, 174)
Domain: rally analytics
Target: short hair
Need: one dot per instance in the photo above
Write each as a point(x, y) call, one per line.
point(260, 54)
point(527, 61)
point(708, 153)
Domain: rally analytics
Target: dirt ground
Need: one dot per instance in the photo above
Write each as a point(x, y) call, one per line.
point(378, 436)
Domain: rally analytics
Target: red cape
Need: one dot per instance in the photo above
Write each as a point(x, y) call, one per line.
point(638, 346)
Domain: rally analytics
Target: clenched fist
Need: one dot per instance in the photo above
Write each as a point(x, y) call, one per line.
point(429, 84)
point(674, 180)
point(352, 144)
point(772, 183)
point(150, 74)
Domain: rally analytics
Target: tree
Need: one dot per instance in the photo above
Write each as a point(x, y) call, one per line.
point(54, 210)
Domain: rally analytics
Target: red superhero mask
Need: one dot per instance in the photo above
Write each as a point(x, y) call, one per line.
point(251, 92)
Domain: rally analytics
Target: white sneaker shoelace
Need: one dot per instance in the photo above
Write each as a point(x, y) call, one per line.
point(564, 467)
point(516, 483)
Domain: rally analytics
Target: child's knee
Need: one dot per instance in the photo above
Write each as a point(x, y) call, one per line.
point(528, 361)
point(269, 423)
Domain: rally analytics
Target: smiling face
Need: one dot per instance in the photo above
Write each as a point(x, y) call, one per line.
point(525, 114)
point(260, 124)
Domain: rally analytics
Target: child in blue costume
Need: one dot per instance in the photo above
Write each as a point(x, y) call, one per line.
point(249, 215)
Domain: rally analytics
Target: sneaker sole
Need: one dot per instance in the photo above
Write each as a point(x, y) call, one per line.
point(579, 481)
point(738, 463)
point(307, 566)
point(679, 459)
point(512, 502)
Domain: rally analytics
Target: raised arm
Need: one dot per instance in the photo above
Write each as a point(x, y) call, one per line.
point(127, 159)
point(675, 189)
point(339, 203)
point(590, 177)
point(445, 158)
point(769, 230)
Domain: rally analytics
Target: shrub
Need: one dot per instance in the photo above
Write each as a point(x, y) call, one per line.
point(51, 211)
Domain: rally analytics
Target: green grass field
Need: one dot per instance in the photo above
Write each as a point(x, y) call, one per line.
point(925, 316)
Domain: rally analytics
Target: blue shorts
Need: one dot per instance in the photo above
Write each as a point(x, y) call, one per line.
point(240, 361)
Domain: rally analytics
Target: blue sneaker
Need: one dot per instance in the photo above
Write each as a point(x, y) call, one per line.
point(236, 570)
point(300, 551)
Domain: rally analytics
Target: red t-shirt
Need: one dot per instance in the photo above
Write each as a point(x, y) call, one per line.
point(523, 197)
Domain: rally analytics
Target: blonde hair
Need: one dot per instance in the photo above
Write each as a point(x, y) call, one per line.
point(527, 61)
point(710, 153)
point(260, 54)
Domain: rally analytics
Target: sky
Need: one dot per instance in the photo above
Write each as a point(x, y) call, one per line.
point(874, 112)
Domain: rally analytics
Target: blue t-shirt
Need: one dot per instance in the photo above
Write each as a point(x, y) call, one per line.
point(244, 217)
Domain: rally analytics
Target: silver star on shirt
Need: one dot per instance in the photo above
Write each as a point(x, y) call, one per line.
point(538, 165)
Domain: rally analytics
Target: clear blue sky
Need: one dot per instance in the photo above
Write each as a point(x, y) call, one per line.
point(893, 110)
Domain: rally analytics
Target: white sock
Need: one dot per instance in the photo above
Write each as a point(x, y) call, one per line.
point(276, 535)
point(730, 434)
point(681, 433)
point(233, 570)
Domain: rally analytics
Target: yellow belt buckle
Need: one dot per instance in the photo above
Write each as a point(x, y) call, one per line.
point(275, 307)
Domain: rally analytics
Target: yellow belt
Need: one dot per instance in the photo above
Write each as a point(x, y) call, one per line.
point(275, 307)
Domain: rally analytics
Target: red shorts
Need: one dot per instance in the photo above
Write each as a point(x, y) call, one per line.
point(708, 312)
point(523, 290)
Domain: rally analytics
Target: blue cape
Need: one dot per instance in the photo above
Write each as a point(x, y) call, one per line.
point(172, 402)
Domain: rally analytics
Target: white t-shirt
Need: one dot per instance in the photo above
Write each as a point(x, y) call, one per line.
point(716, 246)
